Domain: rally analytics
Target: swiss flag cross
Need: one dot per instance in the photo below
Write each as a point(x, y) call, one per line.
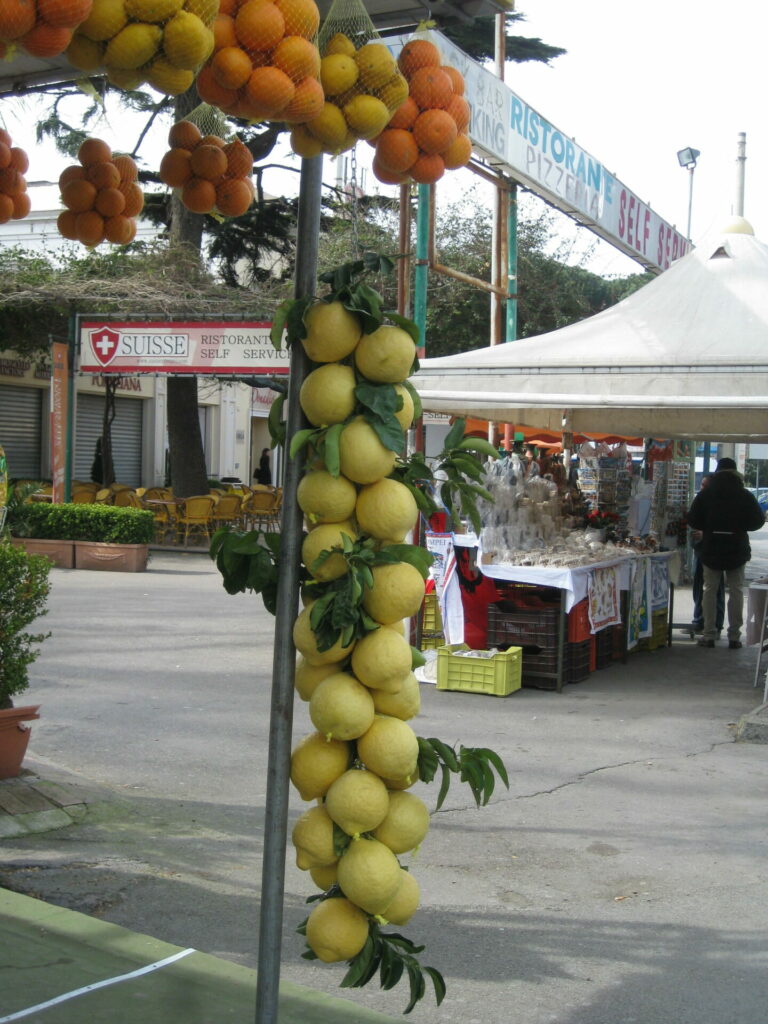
point(104, 344)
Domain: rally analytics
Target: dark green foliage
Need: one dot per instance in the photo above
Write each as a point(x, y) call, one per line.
point(103, 523)
point(473, 765)
point(477, 39)
point(24, 588)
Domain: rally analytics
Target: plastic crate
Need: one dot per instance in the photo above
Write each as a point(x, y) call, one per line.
point(659, 632)
point(579, 627)
point(431, 641)
point(537, 628)
point(619, 634)
point(539, 659)
point(604, 647)
point(497, 676)
point(576, 662)
point(431, 620)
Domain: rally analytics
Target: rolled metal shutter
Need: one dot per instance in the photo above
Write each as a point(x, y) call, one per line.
point(126, 437)
point(21, 424)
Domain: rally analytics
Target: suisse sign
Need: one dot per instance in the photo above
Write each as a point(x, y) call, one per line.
point(220, 347)
point(517, 140)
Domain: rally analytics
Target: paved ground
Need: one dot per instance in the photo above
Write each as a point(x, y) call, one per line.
point(621, 878)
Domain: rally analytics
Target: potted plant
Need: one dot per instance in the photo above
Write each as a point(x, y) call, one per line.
point(599, 522)
point(24, 588)
point(22, 524)
point(101, 536)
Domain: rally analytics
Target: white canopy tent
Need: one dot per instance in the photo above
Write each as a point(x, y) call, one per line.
point(686, 356)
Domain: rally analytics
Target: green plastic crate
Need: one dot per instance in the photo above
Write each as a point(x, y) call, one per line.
point(497, 676)
point(431, 621)
point(431, 641)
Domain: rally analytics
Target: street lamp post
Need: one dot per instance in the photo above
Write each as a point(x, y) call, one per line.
point(687, 158)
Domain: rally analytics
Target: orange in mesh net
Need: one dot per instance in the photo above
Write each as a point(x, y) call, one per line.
point(14, 163)
point(212, 174)
point(100, 193)
point(41, 27)
point(435, 114)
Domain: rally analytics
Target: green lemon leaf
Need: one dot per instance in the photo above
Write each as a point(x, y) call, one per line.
point(388, 431)
point(330, 449)
point(279, 320)
point(380, 399)
point(417, 658)
point(415, 398)
point(275, 422)
point(419, 558)
point(299, 439)
point(479, 445)
point(409, 326)
point(455, 434)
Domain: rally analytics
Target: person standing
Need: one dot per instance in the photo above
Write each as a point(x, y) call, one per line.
point(263, 473)
point(697, 618)
point(724, 511)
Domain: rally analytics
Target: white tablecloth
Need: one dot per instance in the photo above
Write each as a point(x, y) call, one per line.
point(575, 580)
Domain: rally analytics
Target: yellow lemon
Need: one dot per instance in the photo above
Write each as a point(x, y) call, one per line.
point(382, 659)
point(152, 10)
point(336, 930)
point(326, 538)
point(341, 707)
point(340, 43)
point(385, 356)
point(397, 593)
point(404, 416)
point(376, 64)
point(332, 332)
point(312, 836)
point(357, 801)
point(328, 394)
point(389, 748)
point(386, 510)
point(308, 677)
point(304, 143)
point(324, 877)
point(369, 875)
point(84, 53)
point(404, 704)
point(330, 127)
point(125, 79)
point(406, 901)
point(363, 457)
point(316, 763)
point(394, 92)
point(338, 72)
point(406, 823)
point(187, 41)
point(305, 643)
point(366, 116)
point(134, 45)
point(324, 498)
point(167, 78)
point(206, 10)
point(106, 19)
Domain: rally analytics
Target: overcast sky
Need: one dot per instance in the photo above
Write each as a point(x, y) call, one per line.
point(637, 85)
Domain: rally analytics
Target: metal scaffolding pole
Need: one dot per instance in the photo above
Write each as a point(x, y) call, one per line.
point(281, 716)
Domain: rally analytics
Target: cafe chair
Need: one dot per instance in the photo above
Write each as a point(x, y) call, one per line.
point(226, 511)
point(194, 516)
point(257, 508)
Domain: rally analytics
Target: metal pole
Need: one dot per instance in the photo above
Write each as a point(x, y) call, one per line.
point(741, 161)
point(281, 714)
point(422, 265)
point(69, 458)
point(691, 169)
point(510, 326)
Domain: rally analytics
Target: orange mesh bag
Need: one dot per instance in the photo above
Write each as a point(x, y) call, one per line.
point(213, 175)
point(160, 43)
point(265, 64)
point(101, 196)
point(14, 163)
point(427, 134)
point(360, 79)
point(43, 28)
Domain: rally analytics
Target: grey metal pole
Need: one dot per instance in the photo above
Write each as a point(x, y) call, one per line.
point(741, 161)
point(691, 169)
point(281, 715)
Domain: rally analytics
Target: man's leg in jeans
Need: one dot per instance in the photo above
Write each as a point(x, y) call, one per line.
point(734, 580)
point(697, 618)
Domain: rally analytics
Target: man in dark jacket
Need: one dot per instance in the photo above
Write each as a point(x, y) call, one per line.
point(724, 512)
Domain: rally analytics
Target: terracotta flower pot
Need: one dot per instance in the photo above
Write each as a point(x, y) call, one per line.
point(14, 738)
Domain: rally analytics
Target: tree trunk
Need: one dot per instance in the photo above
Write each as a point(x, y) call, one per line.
point(185, 441)
point(107, 461)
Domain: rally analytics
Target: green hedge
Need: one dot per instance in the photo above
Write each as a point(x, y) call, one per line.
point(103, 523)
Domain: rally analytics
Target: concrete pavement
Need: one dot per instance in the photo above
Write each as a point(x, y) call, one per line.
point(619, 879)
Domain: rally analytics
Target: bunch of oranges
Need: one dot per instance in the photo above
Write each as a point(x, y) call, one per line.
point(265, 66)
point(213, 175)
point(427, 134)
point(160, 42)
point(41, 27)
point(14, 163)
point(362, 87)
point(101, 195)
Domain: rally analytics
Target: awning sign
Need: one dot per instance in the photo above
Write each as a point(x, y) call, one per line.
point(204, 347)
